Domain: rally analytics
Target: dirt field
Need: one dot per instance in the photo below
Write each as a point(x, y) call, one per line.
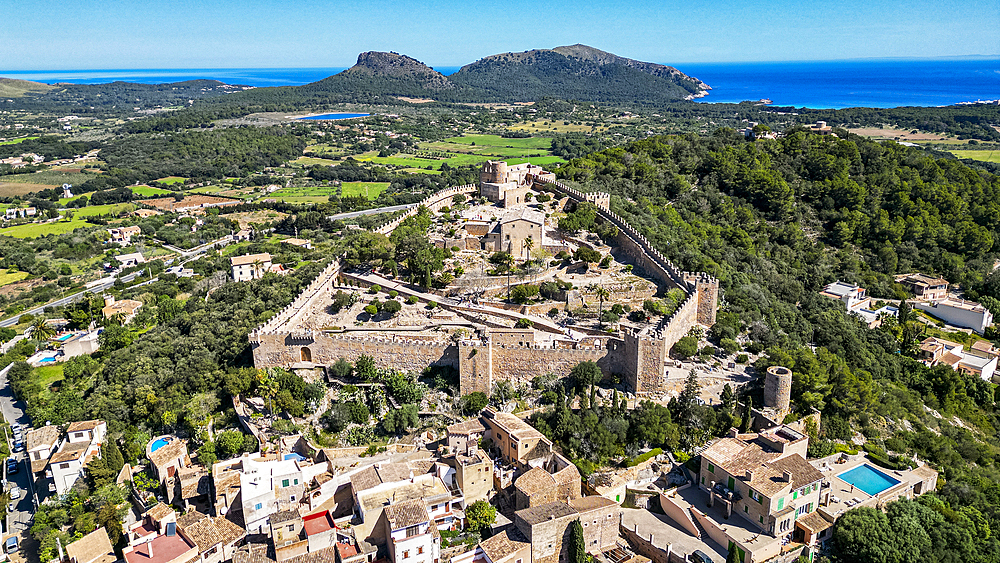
point(11, 189)
point(168, 203)
point(903, 135)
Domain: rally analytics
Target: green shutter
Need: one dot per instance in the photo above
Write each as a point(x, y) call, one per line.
point(795, 495)
point(284, 482)
point(711, 468)
point(781, 503)
point(731, 483)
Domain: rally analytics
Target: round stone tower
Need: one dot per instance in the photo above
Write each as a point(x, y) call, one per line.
point(778, 388)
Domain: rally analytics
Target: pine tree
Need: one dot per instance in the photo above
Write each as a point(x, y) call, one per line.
point(577, 548)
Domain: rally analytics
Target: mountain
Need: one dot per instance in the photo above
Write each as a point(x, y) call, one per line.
point(379, 74)
point(396, 66)
point(15, 88)
point(576, 72)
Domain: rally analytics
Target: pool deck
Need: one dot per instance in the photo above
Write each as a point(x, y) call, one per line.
point(844, 496)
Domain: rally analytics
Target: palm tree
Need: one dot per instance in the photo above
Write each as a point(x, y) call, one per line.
point(41, 330)
point(602, 293)
point(256, 268)
point(528, 244)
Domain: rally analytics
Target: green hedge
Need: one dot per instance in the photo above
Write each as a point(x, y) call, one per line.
point(644, 457)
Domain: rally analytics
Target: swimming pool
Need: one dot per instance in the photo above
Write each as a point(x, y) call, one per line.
point(159, 443)
point(868, 479)
point(334, 116)
point(65, 337)
point(48, 359)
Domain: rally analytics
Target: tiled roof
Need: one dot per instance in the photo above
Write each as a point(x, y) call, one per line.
point(533, 481)
point(541, 513)
point(593, 502)
point(284, 516)
point(470, 426)
point(206, 531)
point(501, 546)
point(365, 479)
point(736, 457)
point(813, 522)
point(91, 547)
point(803, 473)
point(194, 481)
point(406, 513)
point(525, 214)
point(515, 426)
point(159, 512)
point(173, 449)
point(394, 472)
point(38, 437)
point(250, 259)
point(70, 452)
point(258, 553)
point(84, 425)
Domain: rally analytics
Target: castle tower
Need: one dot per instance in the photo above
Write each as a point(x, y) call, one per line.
point(778, 389)
point(708, 296)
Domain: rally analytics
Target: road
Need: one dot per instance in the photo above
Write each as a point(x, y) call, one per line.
point(353, 214)
point(13, 412)
point(69, 299)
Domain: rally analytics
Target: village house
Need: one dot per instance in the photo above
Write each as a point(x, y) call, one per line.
point(215, 538)
point(514, 229)
point(40, 443)
point(122, 236)
point(94, 547)
point(12, 213)
point(925, 288)
point(958, 312)
point(516, 440)
point(130, 260)
point(127, 308)
point(155, 539)
point(250, 266)
point(979, 360)
point(82, 444)
point(856, 302)
point(412, 536)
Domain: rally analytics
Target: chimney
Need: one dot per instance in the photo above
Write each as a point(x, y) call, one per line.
point(149, 547)
point(109, 300)
point(749, 475)
point(787, 476)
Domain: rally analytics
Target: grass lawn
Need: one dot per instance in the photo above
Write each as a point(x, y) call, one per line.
point(47, 375)
point(16, 141)
point(34, 230)
point(206, 189)
point(172, 180)
point(413, 161)
point(371, 190)
point(498, 141)
point(310, 161)
point(555, 126)
point(304, 194)
point(984, 155)
point(147, 191)
point(11, 276)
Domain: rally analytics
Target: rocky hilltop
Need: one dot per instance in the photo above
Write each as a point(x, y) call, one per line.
point(396, 66)
point(578, 72)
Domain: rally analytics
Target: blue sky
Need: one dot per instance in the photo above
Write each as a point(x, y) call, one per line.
point(88, 34)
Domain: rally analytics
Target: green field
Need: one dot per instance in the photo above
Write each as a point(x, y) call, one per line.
point(54, 177)
point(498, 141)
point(47, 375)
point(207, 189)
point(147, 191)
point(304, 194)
point(10, 276)
point(371, 190)
point(34, 230)
point(985, 156)
point(312, 161)
point(16, 141)
point(172, 180)
point(411, 161)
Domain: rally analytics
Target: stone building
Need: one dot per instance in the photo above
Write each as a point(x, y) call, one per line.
point(555, 479)
point(547, 529)
point(507, 184)
point(600, 518)
point(513, 230)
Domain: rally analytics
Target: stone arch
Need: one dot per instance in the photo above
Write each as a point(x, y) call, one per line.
point(305, 354)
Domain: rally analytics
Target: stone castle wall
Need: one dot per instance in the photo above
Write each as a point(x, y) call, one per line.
point(638, 357)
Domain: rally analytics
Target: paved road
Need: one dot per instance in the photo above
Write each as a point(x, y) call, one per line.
point(70, 299)
point(199, 249)
point(353, 214)
point(19, 519)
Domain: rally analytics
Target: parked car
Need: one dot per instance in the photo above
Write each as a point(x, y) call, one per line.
point(699, 556)
point(10, 546)
point(18, 446)
point(15, 493)
point(11, 466)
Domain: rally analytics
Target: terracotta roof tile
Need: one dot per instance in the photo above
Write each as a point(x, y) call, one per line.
point(533, 481)
point(541, 513)
point(406, 513)
point(501, 545)
point(91, 547)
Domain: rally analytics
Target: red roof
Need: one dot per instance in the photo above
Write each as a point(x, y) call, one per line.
point(165, 549)
point(318, 523)
point(346, 550)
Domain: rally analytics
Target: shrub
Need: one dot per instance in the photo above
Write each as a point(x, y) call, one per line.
point(375, 289)
point(432, 305)
point(393, 294)
point(523, 293)
point(371, 310)
point(742, 359)
point(523, 323)
point(392, 307)
point(584, 254)
point(412, 300)
point(474, 402)
point(729, 345)
point(644, 457)
point(553, 312)
point(686, 347)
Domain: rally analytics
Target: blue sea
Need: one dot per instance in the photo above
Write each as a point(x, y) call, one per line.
point(828, 84)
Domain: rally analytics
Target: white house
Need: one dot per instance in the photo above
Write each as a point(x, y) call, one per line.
point(958, 312)
point(250, 266)
point(83, 443)
point(412, 538)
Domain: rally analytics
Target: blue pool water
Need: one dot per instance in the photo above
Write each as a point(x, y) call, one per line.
point(334, 116)
point(48, 359)
point(868, 479)
point(65, 337)
point(295, 456)
point(159, 443)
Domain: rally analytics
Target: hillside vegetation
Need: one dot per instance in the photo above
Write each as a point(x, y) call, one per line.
point(15, 88)
point(776, 221)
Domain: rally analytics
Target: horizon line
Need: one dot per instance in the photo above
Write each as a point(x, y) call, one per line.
point(674, 64)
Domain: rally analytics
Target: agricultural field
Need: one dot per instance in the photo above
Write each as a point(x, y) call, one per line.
point(313, 161)
point(147, 191)
point(10, 276)
point(34, 230)
point(246, 218)
point(205, 190)
point(172, 180)
point(304, 194)
point(56, 177)
point(497, 141)
point(556, 127)
point(15, 189)
point(983, 155)
point(371, 190)
point(16, 141)
point(404, 160)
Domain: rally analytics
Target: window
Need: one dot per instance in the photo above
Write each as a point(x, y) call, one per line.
point(781, 503)
point(258, 506)
point(815, 486)
point(412, 531)
point(618, 498)
point(63, 466)
point(292, 498)
point(746, 509)
point(703, 480)
point(761, 519)
point(406, 554)
point(795, 495)
point(711, 468)
point(756, 496)
point(284, 482)
point(420, 550)
point(291, 527)
point(296, 482)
